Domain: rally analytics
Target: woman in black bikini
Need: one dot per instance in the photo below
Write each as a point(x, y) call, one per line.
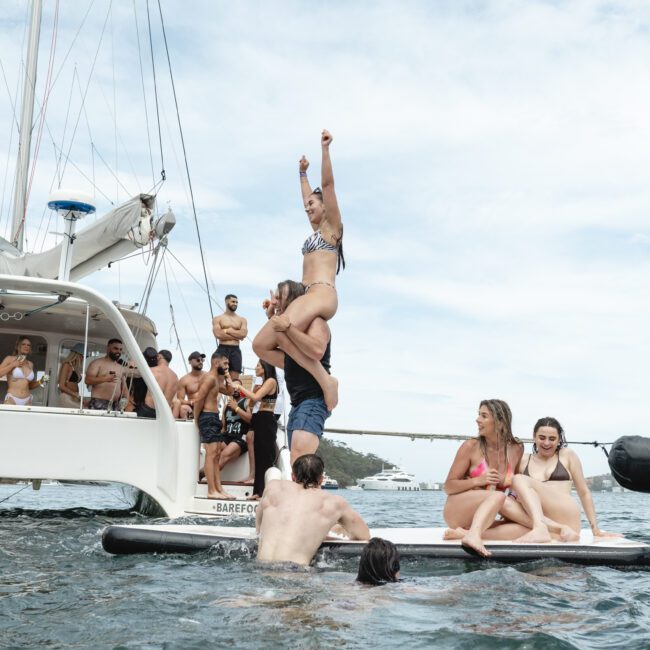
point(322, 258)
point(543, 488)
point(70, 376)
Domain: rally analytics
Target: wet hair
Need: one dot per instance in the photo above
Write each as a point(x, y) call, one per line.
point(231, 295)
point(308, 470)
point(318, 193)
point(166, 355)
point(503, 424)
point(19, 342)
point(550, 422)
point(294, 290)
point(111, 341)
point(379, 562)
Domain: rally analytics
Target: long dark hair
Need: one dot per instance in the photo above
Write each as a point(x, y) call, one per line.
point(379, 562)
point(269, 373)
point(550, 422)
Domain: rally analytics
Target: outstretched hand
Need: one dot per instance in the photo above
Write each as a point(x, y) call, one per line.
point(303, 164)
point(326, 138)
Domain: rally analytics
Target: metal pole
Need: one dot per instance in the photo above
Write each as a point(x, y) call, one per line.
point(25, 136)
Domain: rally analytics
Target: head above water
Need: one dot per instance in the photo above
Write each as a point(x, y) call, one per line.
point(379, 562)
point(552, 423)
point(308, 470)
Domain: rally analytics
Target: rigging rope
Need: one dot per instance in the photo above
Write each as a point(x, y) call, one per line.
point(187, 168)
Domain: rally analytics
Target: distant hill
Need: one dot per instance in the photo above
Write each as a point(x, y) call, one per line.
point(347, 465)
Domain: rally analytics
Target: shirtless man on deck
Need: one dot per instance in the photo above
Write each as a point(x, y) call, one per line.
point(229, 329)
point(188, 387)
point(206, 415)
point(105, 378)
point(167, 380)
point(293, 519)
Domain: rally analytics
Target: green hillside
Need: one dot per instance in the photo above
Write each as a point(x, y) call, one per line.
point(347, 465)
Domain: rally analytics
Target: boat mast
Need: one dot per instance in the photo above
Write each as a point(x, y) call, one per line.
point(25, 136)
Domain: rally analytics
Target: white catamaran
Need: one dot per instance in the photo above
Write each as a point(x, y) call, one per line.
point(42, 297)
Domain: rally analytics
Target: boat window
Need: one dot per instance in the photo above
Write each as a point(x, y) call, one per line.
point(38, 357)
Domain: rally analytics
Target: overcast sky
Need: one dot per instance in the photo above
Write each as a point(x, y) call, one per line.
point(491, 162)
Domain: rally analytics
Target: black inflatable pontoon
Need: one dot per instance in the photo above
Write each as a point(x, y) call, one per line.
point(412, 542)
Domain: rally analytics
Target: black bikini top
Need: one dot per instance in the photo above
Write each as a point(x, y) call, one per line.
point(560, 473)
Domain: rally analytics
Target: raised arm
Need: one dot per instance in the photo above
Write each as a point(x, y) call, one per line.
point(305, 188)
point(8, 364)
point(332, 213)
point(268, 387)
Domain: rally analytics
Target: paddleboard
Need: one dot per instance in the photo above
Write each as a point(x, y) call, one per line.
point(411, 542)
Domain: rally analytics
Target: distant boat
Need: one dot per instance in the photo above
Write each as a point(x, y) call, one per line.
point(430, 487)
point(329, 483)
point(390, 479)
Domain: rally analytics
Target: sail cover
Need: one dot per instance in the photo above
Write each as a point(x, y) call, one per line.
point(113, 236)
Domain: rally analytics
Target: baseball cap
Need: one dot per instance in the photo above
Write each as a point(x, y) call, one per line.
point(196, 355)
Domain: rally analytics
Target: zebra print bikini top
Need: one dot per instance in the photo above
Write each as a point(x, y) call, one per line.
point(315, 242)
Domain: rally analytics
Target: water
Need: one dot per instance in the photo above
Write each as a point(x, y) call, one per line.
point(60, 589)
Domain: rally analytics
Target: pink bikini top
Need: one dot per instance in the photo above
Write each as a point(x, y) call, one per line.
point(482, 468)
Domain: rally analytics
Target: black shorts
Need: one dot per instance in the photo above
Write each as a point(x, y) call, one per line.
point(145, 411)
point(241, 442)
point(233, 354)
point(209, 427)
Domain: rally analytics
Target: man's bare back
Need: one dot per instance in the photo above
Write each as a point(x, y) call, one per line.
point(167, 380)
point(293, 521)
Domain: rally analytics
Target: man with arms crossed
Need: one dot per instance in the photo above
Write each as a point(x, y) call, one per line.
point(105, 378)
point(229, 329)
point(293, 518)
point(188, 387)
point(308, 411)
point(167, 380)
point(206, 416)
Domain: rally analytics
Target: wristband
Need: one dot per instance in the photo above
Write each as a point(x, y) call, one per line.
point(303, 174)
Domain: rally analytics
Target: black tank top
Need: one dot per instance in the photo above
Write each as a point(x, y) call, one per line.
point(235, 426)
point(300, 384)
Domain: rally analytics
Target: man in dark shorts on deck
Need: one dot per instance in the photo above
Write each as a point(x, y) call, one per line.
point(230, 329)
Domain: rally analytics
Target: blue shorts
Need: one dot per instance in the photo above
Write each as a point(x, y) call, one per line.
point(309, 415)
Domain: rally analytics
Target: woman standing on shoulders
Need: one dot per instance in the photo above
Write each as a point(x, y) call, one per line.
point(480, 475)
point(263, 423)
point(544, 487)
point(322, 259)
point(70, 376)
point(20, 374)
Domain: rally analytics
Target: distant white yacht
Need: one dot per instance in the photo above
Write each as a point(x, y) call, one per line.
point(329, 483)
point(390, 479)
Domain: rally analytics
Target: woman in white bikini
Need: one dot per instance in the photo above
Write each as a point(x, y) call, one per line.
point(322, 259)
point(20, 374)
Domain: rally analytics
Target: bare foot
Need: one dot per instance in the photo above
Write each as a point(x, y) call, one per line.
point(219, 495)
point(249, 481)
point(226, 495)
point(255, 497)
point(567, 534)
point(473, 541)
point(454, 533)
point(331, 393)
point(538, 535)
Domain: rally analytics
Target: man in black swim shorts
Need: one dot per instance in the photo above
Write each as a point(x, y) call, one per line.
point(229, 329)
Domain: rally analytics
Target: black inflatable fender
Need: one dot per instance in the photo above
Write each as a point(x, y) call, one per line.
point(629, 460)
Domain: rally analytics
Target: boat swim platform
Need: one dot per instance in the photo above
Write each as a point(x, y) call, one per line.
point(411, 542)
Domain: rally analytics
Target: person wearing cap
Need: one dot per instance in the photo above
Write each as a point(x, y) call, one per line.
point(188, 387)
point(105, 378)
point(167, 380)
point(229, 329)
point(70, 376)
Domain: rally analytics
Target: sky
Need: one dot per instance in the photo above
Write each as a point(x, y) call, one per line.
point(491, 164)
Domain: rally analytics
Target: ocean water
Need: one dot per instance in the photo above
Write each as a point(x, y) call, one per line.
point(59, 589)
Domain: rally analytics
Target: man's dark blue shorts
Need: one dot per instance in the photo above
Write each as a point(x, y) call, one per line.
point(309, 415)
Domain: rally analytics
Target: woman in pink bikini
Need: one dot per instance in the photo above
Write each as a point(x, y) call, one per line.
point(322, 259)
point(20, 374)
point(481, 474)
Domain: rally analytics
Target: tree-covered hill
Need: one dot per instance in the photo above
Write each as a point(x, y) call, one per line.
point(347, 465)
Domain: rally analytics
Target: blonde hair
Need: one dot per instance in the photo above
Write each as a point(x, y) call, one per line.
point(19, 342)
point(502, 423)
point(75, 360)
